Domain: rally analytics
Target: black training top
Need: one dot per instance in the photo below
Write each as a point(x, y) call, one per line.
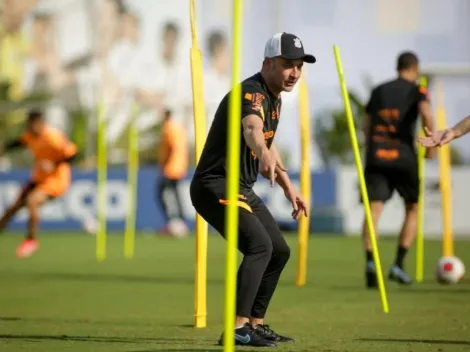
point(393, 110)
point(257, 100)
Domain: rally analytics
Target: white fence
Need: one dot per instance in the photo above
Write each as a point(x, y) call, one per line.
point(392, 217)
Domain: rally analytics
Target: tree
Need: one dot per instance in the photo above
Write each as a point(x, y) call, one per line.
point(332, 132)
point(12, 113)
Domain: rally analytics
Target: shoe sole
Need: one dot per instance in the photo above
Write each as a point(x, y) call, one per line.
point(398, 280)
point(241, 344)
point(237, 343)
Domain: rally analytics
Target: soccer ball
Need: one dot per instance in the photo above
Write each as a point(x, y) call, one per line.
point(449, 270)
point(177, 228)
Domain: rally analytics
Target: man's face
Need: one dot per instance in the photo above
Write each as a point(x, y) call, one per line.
point(285, 73)
point(169, 41)
point(42, 28)
point(222, 55)
point(130, 28)
point(36, 126)
point(415, 72)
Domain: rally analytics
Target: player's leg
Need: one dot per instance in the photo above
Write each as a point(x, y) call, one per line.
point(407, 185)
point(161, 188)
point(34, 200)
point(408, 231)
point(10, 212)
point(379, 191)
point(16, 206)
point(255, 244)
point(279, 258)
point(177, 225)
point(179, 203)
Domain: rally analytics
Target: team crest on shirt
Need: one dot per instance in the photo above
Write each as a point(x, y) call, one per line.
point(297, 43)
point(257, 101)
point(276, 113)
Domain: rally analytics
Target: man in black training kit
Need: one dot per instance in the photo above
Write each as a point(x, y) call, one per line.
point(391, 158)
point(260, 240)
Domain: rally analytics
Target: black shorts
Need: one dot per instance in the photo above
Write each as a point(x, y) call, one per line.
point(256, 225)
point(381, 182)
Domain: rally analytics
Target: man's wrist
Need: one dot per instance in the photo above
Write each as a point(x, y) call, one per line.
point(283, 180)
point(457, 132)
point(261, 150)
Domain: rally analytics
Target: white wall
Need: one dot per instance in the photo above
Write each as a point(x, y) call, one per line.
point(392, 217)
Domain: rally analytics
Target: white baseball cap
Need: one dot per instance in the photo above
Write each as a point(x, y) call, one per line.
point(287, 46)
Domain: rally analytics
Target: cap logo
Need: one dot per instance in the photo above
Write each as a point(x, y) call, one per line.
point(297, 43)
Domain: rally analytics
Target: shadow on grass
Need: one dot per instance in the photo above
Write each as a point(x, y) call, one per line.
point(10, 319)
point(434, 342)
point(179, 280)
point(415, 288)
point(84, 321)
point(432, 290)
point(205, 349)
point(196, 349)
point(100, 339)
point(342, 287)
point(91, 277)
point(115, 278)
point(464, 282)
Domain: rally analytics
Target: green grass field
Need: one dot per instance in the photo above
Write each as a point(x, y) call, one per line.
point(61, 299)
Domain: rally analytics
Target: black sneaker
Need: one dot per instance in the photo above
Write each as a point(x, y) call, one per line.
point(247, 336)
point(269, 334)
point(371, 275)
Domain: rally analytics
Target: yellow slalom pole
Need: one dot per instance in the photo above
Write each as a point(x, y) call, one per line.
point(233, 179)
point(444, 178)
point(102, 175)
point(132, 175)
point(305, 182)
point(200, 294)
point(360, 173)
point(422, 182)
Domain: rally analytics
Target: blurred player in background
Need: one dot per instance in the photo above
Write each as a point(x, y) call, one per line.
point(173, 162)
point(51, 175)
point(391, 157)
point(439, 138)
point(216, 73)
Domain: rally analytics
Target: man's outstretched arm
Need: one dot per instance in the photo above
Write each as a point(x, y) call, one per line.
point(462, 128)
point(442, 137)
point(427, 120)
point(298, 204)
point(282, 177)
point(11, 145)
